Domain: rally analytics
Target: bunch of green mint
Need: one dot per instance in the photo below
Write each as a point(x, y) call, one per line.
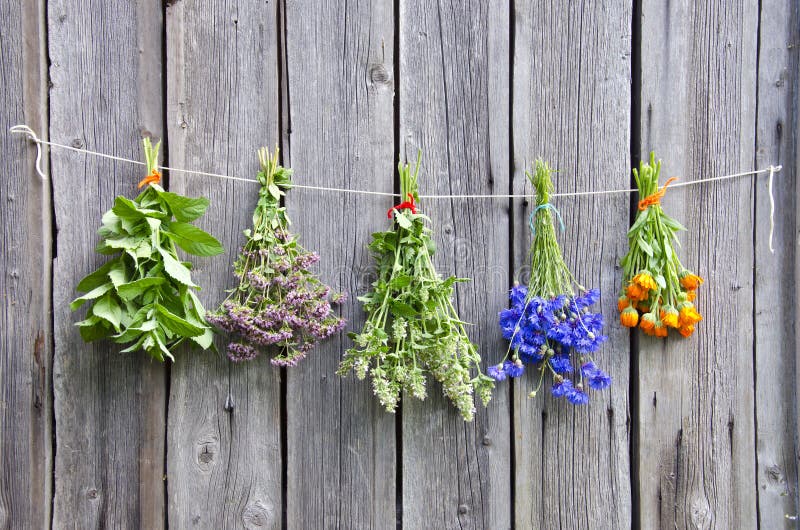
point(144, 296)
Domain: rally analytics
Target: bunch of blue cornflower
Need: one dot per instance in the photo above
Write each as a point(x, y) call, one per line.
point(548, 325)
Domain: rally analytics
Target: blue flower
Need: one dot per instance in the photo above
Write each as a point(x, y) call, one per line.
point(529, 353)
point(564, 388)
point(588, 298)
point(561, 364)
point(517, 295)
point(589, 368)
point(508, 321)
point(599, 380)
point(578, 397)
point(513, 369)
point(496, 372)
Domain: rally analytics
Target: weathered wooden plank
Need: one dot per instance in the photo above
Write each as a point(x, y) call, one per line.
point(454, 72)
point(696, 414)
point(572, 104)
point(775, 342)
point(341, 444)
point(224, 458)
point(109, 408)
point(26, 406)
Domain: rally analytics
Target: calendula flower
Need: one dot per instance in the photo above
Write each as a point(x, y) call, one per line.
point(690, 281)
point(654, 280)
point(686, 331)
point(623, 302)
point(645, 281)
point(669, 316)
point(629, 317)
point(648, 323)
point(550, 324)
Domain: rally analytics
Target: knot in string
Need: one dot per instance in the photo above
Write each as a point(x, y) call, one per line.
point(27, 131)
point(655, 198)
point(409, 204)
point(153, 178)
point(544, 206)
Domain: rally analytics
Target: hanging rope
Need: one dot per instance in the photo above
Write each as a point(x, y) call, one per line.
point(24, 129)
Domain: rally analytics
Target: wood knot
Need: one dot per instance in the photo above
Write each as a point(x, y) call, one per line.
point(77, 143)
point(378, 74)
point(257, 515)
point(91, 493)
point(775, 475)
point(463, 509)
point(206, 453)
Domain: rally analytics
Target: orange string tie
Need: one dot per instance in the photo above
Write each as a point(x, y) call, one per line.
point(655, 198)
point(153, 178)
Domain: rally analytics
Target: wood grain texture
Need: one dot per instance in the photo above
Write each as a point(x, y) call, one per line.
point(109, 407)
point(572, 463)
point(454, 71)
point(26, 405)
point(341, 444)
point(696, 414)
point(224, 431)
point(775, 342)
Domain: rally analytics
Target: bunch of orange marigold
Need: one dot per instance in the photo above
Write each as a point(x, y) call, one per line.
point(658, 293)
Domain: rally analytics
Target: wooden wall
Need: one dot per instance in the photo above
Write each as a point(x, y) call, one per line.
point(698, 433)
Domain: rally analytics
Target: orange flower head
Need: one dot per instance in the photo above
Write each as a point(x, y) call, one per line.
point(688, 315)
point(686, 331)
point(691, 295)
point(648, 323)
point(629, 317)
point(643, 307)
point(153, 178)
point(660, 330)
point(635, 292)
point(669, 316)
point(622, 303)
point(690, 281)
point(645, 281)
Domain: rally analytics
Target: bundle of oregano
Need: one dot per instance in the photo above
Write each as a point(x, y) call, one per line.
point(279, 303)
point(144, 296)
point(412, 327)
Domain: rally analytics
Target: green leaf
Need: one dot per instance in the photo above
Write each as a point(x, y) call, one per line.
point(175, 269)
point(131, 290)
point(93, 328)
point(108, 309)
point(97, 278)
point(402, 220)
point(176, 324)
point(193, 240)
point(403, 310)
point(645, 246)
point(97, 292)
point(185, 209)
point(206, 340)
point(126, 209)
point(274, 191)
point(400, 281)
point(117, 274)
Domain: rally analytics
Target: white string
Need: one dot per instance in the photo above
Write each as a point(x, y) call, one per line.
point(772, 170)
point(24, 129)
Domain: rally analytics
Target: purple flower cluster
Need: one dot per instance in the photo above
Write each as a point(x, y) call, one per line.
point(555, 334)
point(279, 304)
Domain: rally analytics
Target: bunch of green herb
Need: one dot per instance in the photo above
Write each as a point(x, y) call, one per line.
point(144, 296)
point(412, 327)
point(279, 303)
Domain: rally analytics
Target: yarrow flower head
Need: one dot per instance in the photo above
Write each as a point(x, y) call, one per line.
point(279, 305)
point(658, 293)
point(550, 324)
